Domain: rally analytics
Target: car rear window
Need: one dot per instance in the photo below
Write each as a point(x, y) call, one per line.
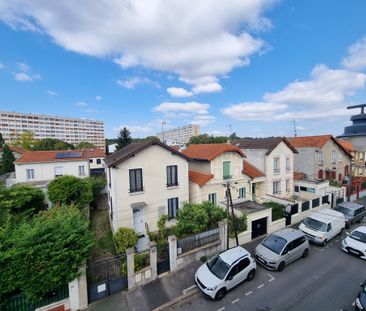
point(344, 210)
point(275, 243)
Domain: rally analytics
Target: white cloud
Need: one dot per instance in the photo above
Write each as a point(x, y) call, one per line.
point(51, 93)
point(82, 104)
point(98, 98)
point(190, 107)
point(253, 110)
point(23, 67)
point(178, 92)
point(192, 39)
point(1, 66)
point(22, 76)
point(131, 83)
point(202, 120)
point(356, 59)
point(212, 87)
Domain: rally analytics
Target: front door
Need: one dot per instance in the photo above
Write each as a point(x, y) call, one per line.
point(138, 220)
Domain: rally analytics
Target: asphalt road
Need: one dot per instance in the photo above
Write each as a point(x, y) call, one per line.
point(328, 279)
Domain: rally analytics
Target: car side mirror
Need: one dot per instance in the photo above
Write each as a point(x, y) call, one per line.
point(229, 278)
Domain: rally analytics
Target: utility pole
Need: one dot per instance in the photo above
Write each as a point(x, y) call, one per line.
point(229, 200)
point(162, 130)
point(227, 216)
point(295, 132)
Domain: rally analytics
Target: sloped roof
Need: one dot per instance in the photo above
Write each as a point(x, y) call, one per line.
point(316, 141)
point(131, 149)
point(346, 145)
point(252, 171)
point(18, 150)
point(50, 156)
point(199, 178)
point(208, 152)
point(299, 175)
point(96, 153)
point(268, 143)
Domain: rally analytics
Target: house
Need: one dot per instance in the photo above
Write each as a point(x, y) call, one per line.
point(96, 164)
point(321, 157)
point(211, 167)
point(17, 151)
point(43, 166)
point(274, 156)
point(145, 181)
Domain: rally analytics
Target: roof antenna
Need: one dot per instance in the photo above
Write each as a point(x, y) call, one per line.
point(295, 132)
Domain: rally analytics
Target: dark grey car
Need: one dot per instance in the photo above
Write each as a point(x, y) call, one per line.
point(353, 212)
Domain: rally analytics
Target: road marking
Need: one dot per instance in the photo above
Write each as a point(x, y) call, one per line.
point(271, 277)
point(188, 289)
point(248, 293)
point(260, 286)
point(221, 309)
point(235, 301)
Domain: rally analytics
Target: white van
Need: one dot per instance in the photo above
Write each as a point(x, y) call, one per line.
point(323, 225)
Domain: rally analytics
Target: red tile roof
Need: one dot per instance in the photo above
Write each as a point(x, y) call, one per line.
point(316, 141)
point(50, 156)
point(199, 178)
point(96, 153)
point(299, 176)
point(209, 152)
point(18, 150)
point(250, 170)
point(346, 145)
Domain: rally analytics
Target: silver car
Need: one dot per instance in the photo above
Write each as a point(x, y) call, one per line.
point(281, 248)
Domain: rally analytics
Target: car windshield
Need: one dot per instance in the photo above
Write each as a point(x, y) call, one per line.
point(275, 243)
point(218, 267)
point(315, 224)
point(358, 236)
point(344, 210)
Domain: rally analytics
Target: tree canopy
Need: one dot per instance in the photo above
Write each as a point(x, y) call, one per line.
point(2, 141)
point(70, 190)
point(51, 144)
point(26, 140)
point(7, 160)
point(124, 138)
point(206, 139)
point(85, 145)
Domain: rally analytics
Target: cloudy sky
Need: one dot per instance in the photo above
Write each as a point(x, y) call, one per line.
point(252, 66)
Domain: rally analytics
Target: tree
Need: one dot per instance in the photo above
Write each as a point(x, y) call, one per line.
point(85, 145)
point(2, 141)
point(233, 137)
point(22, 199)
point(70, 190)
point(125, 238)
point(7, 160)
point(124, 138)
point(96, 184)
point(45, 253)
point(51, 144)
point(206, 139)
point(25, 140)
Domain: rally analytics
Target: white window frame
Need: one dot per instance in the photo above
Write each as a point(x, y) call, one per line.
point(58, 171)
point(81, 170)
point(30, 173)
point(173, 206)
point(276, 166)
point(320, 157)
point(288, 185)
point(212, 197)
point(276, 187)
point(288, 164)
point(334, 156)
point(242, 193)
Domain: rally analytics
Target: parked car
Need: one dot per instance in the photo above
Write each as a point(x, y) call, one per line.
point(360, 303)
point(353, 212)
point(281, 248)
point(225, 271)
point(355, 242)
point(323, 225)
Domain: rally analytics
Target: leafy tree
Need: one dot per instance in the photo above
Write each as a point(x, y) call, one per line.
point(206, 139)
point(124, 239)
point(234, 137)
point(7, 160)
point(85, 145)
point(240, 223)
point(96, 184)
point(124, 138)
point(25, 140)
point(147, 138)
point(70, 190)
point(2, 141)
point(45, 253)
point(52, 144)
point(22, 199)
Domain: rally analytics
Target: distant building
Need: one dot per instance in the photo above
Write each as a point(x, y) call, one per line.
point(179, 135)
point(70, 130)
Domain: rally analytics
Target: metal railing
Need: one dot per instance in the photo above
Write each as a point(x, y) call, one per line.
point(197, 240)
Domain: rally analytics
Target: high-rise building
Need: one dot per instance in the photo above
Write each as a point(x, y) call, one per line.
point(70, 130)
point(179, 135)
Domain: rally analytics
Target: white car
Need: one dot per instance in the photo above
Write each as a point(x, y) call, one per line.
point(225, 271)
point(355, 242)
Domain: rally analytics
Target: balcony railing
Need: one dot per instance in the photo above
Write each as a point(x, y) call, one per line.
point(228, 176)
point(276, 171)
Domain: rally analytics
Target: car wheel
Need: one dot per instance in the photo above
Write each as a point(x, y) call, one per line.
point(220, 294)
point(305, 253)
point(251, 275)
point(281, 266)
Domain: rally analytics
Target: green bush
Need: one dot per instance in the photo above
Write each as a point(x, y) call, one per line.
point(240, 224)
point(96, 185)
point(124, 239)
point(277, 210)
point(141, 260)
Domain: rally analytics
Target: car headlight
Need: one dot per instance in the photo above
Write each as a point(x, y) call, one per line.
point(211, 288)
point(358, 303)
point(321, 238)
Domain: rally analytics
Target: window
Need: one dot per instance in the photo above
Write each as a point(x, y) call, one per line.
point(226, 169)
point(90, 160)
point(320, 157)
point(136, 180)
point(288, 166)
point(276, 187)
point(234, 271)
point(172, 175)
point(276, 165)
point(296, 188)
point(242, 193)
point(212, 198)
point(30, 174)
point(287, 185)
point(172, 208)
point(58, 171)
point(99, 161)
point(243, 264)
point(81, 170)
point(333, 156)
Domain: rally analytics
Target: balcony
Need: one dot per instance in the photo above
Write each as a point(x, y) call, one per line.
point(276, 171)
point(321, 162)
point(225, 177)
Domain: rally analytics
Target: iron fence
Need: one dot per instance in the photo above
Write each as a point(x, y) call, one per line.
point(108, 268)
point(197, 240)
point(305, 206)
point(325, 199)
point(316, 203)
point(142, 260)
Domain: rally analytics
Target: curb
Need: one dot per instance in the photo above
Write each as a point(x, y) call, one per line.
point(177, 301)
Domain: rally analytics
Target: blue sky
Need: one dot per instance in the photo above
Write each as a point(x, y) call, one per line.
point(254, 65)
